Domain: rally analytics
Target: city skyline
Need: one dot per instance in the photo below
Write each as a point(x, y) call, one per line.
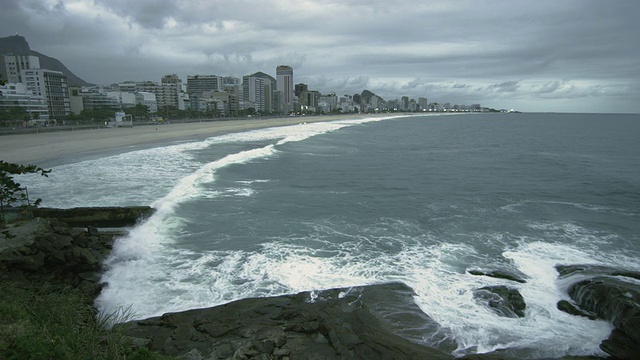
point(571, 56)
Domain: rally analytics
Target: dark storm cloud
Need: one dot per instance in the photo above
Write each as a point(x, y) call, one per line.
point(532, 54)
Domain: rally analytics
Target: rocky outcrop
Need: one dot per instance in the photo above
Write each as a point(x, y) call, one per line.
point(608, 294)
point(573, 309)
point(503, 300)
point(616, 301)
point(499, 274)
point(330, 324)
point(52, 249)
point(96, 216)
point(594, 270)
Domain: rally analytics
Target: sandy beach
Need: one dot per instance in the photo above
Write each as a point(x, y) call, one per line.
point(49, 148)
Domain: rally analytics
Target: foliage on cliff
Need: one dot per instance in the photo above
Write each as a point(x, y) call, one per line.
point(11, 191)
point(41, 320)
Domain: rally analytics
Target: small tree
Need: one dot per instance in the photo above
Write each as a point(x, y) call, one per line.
point(11, 191)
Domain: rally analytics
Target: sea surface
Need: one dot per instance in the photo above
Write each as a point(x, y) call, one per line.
point(415, 199)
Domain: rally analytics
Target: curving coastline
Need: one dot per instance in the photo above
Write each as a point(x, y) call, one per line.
point(49, 148)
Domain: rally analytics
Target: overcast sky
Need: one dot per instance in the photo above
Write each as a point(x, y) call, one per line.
point(539, 55)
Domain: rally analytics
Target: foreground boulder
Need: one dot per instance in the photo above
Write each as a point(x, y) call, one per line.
point(503, 300)
point(330, 324)
point(608, 294)
point(618, 302)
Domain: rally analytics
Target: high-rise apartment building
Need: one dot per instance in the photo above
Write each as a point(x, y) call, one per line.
point(423, 103)
point(311, 99)
point(198, 84)
point(269, 88)
point(284, 76)
point(300, 88)
point(253, 89)
point(14, 64)
point(53, 86)
point(172, 98)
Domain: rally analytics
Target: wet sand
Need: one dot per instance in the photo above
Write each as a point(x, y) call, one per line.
point(50, 148)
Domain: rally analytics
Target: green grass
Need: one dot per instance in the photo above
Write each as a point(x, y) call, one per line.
point(39, 320)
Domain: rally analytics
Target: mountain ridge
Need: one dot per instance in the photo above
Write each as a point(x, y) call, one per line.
point(17, 44)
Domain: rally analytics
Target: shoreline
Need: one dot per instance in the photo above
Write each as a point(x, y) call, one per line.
point(52, 148)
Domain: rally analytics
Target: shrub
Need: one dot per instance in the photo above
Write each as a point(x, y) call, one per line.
point(11, 191)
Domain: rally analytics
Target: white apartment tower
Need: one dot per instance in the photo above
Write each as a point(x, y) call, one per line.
point(14, 64)
point(284, 84)
point(253, 89)
point(53, 86)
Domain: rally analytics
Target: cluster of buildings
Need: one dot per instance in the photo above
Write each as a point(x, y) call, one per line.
point(43, 93)
point(47, 96)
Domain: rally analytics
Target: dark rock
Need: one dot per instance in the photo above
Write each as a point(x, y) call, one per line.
point(61, 228)
point(56, 257)
point(31, 262)
point(498, 274)
point(61, 241)
point(77, 233)
point(136, 343)
point(621, 346)
point(194, 354)
point(82, 241)
point(93, 231)
point(50, 248)
point(503, 300)
point(595, 270)
point(97, 216)
point(287, 325)
point(611, 299)
point(569, 308)
point(610, 294)
point(82, 259)
point(46, 244)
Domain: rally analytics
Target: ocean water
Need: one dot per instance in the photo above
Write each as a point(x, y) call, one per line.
point(415, 199)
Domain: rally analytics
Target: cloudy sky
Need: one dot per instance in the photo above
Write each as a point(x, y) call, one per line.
point(530, 55)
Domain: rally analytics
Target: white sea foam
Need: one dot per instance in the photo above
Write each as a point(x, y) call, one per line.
point(139, 177)
point(216, 277)
point(150, 273)
point(132, 178)
point(519, 205)
point(142, 259)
